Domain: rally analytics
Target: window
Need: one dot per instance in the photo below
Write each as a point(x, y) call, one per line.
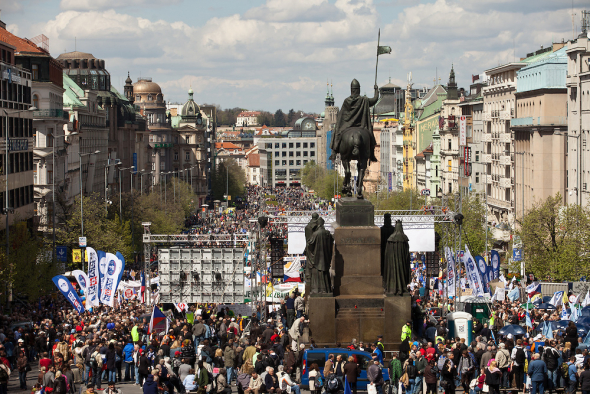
point(298, 162)
point(284, 162)
point(268, 146)
point(450, 166)
point(35, 72)
point(153, 166)
point(290, 162)
point(291, 153)
point(304, 153)
point(305, 145)
point(450, 144)
point(284, 145)
point(36, 101)
point(304, 162)
point(311, 145)
point(318, 358)
point(277, 162)
point(298, 145)
point(290, 145)
point(187, 155)
point(312, 153)
point(477, 177)
point(298, 154)
point(175, 156)
point(276, 145)
point(284, 154)
point(450, 187)
point(476, 155)
point(277, 154)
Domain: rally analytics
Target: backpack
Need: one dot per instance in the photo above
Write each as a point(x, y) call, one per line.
point(207, 332)
point(61, 387)
point(520, 357)
point(473, 360)
point(565, 371)
point(96, 360)
point(332, 382)
point(4, 375)
point(412, 371)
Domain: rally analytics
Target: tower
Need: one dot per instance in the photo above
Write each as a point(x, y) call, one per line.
point(452, 93)
point(128, 89)
point(327, 101)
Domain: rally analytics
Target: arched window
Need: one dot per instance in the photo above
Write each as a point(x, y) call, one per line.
point(36, 101)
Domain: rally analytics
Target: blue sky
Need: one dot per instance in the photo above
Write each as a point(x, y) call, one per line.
point(270, 54)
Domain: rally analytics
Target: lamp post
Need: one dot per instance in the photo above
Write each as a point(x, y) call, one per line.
point(106, 199)
point(81, 193)
point(6, 207)
point(53, 182)
point(120, 205)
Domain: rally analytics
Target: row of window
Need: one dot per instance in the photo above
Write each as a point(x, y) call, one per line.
point(291, 162)
point(291, 145)
point(15, 92)
point(17, 162)
point(18, 197)
point(294, 154)
point(17, 127)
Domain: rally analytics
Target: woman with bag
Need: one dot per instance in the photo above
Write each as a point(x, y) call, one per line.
point(476, 385)
point(315, 379)
point(493, 378)
point(430, 377)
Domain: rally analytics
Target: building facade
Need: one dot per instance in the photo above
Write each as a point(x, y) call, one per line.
point(247, 119)
point(16, 176)
point(391, 156)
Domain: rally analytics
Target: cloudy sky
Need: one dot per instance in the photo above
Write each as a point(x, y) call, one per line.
point(270, 54)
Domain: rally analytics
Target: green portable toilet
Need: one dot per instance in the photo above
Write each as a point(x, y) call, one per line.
point(478, 308)
point(460, 325)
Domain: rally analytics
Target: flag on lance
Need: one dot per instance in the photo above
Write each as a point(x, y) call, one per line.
point(113, 267)
point(92, 292)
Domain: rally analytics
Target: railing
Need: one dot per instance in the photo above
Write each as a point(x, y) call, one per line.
point(505, 182)
point(51, 113)
point(539, 121)
point(505, 160)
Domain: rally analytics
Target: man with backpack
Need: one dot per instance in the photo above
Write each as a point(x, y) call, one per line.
point(572, 376)
point(466, 367)
point(519, 357)
point(199, 331)
point(551, 358)
point(94, 361)
point(420, 364)
point(412, 373)
point(503, 359)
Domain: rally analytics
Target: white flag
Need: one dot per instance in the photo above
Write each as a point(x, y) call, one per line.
point(557, 299)
point(472, 272)
point(113, 267)
point(82, 279)
point(92, 296)
point(450, 272)
point(503, 279)
point(586, 301)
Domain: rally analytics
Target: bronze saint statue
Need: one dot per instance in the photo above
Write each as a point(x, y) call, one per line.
point(397, 262)
point(309, 229)
point(321, 242)
point(386, 232)
point(353, 136)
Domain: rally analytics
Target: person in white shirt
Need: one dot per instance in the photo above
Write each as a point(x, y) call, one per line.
point(189, 381)
point(285, 380)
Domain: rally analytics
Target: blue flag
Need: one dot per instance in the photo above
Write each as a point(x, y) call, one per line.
point(120, 257)
point(495, 257)
point(346, 386)
point(528, 319)
point(514, 294)
point(66, 288)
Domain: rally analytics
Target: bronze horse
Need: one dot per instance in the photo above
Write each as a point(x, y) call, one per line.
point(354, 146)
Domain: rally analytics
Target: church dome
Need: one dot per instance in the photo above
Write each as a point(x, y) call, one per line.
point(145, 86)
point(190, 108)
point(75, 55)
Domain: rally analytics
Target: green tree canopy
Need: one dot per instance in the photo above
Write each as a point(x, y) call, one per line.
point(228, 175)
point(556, 240)
point(325, 183)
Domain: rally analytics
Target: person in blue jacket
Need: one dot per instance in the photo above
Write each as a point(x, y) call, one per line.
point(538, 372)
point(128, 359)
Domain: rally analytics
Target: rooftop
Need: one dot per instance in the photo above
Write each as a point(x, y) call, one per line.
point(20, 44)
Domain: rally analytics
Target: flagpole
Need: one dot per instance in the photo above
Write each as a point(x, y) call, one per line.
point(377, 63)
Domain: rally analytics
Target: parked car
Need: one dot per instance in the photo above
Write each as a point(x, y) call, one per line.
point(319, 357)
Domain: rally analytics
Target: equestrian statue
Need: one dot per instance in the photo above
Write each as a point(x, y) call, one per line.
point(353, 136)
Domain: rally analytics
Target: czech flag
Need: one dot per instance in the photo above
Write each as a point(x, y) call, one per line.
point(142, 287)
point(159, 321)
point(292, 270)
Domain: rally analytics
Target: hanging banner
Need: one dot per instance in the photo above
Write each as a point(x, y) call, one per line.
point(495, 263)
point(92, 292)
point(489, 274)
point(450, 272)
point(68, 291)
point(82, 279)
point(472, 273)
point(76, 255)
point(107, 295)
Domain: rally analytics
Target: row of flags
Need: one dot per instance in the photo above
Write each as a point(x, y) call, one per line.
point(478, 273)
point(100, 284)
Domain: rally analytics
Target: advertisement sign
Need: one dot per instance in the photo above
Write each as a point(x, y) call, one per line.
point(82, 242)
point(61, 253)
point(93, 276)
point(113, 268)
point(389, 181)
point(82, 279)
point(517, 254)
point(467, 159)
point(463, 130)
point(473, 275)
point(495, 263)
point(68, 291)
point(450, 271)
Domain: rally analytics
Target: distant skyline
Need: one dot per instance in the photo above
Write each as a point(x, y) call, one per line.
point(271, 54)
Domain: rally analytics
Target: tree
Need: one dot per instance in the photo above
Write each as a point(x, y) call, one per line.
point(556, 240)
point(265, 119)
point(322, 181)
point(279, 119)
point(291, 118)
point(401, 200)
point(103, 233)
point(228, 175)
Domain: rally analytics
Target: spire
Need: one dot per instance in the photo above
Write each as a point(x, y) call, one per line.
point(452, 93)
point(331, 94)
point(327, 100)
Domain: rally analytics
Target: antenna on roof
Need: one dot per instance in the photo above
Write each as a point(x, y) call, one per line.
point(75, 43)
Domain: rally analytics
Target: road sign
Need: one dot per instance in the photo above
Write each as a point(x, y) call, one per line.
point(61, 253)
point(517, 254)
point(82, 242)
point(425, 192)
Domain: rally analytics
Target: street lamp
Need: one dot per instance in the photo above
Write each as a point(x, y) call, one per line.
point(53, 181)
point(6, 171)
point(120, 205)
point(82, 195)
point(106, 197)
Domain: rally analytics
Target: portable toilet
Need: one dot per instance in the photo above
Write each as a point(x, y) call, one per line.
point(460, 325)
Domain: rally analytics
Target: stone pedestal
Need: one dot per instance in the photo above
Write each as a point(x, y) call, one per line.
point(398, 310)
point(359, 308)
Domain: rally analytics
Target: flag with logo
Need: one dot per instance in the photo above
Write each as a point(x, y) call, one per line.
point(142, 290)
point(159, 322)
point(92, 293)
point(102, 269)
point(482, 268)
point(450, 272)
point(495, 259)
point(113, 268)
point(557, 299)
point(547, 332)
point(586, 301)
point(68, 291)
point(122, 260)
point(77, 255)
point(82, 279)
point(472, 273)
point(575, 313)
point(533, 288)
point(181, 307)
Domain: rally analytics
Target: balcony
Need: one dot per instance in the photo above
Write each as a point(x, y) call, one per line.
point(506, 115)
point(487, 117)
point(51, 114)
point(486, 137)
point(505, 182)
point(505, 138)
point(539, 121)
point(486, 158)
point(505, 160)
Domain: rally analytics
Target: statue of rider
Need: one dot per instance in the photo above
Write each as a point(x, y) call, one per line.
point(355, 112)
